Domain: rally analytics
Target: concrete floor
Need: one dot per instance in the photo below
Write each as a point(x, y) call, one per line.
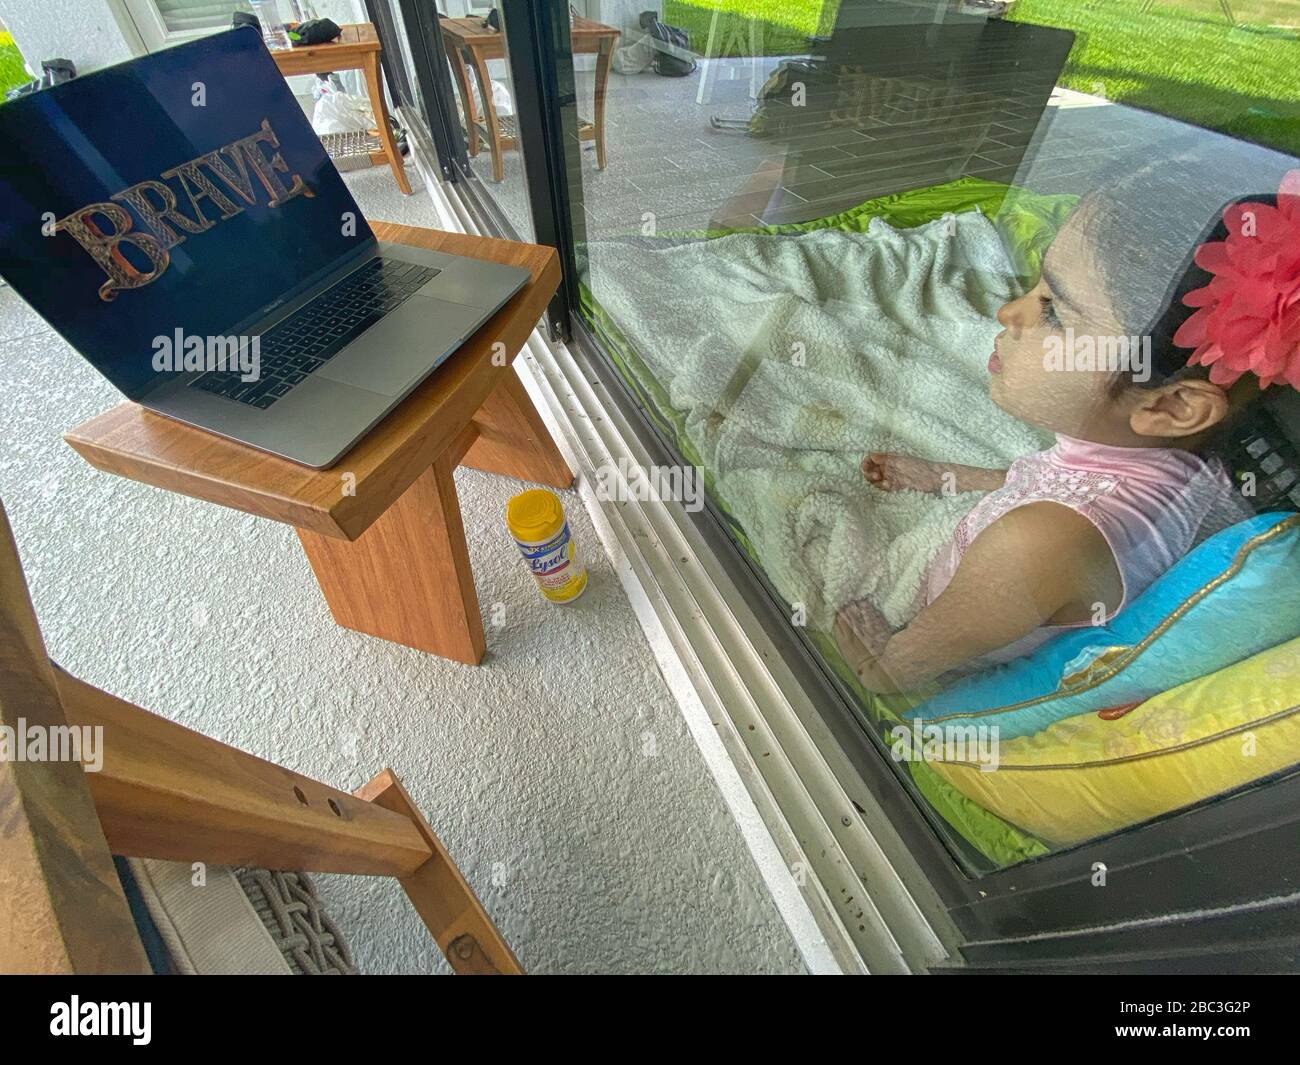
point(560, 773)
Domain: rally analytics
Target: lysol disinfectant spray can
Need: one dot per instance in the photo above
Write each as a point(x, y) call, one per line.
point(536, 521)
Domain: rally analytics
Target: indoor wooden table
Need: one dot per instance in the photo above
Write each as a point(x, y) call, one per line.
point(357, 48)
point(382, 526)
point(471, 40)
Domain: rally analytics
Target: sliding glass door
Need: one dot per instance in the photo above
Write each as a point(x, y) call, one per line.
point(960, 309)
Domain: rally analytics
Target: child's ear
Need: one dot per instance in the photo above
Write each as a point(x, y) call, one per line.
point(1183, 408)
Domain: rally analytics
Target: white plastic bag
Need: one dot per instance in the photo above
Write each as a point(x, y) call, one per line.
point(340, 112)
point(501, 99)
point(635, 57)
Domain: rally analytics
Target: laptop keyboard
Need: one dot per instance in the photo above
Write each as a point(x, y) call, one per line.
point(319, 330)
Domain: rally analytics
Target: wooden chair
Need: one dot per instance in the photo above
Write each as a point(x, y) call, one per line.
point(167, 792)
point(356, 48)
point(471, 44)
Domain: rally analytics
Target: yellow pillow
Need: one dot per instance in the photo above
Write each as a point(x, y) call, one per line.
point(1084, 776)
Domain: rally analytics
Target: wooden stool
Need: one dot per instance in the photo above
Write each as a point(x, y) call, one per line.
point(381, 527)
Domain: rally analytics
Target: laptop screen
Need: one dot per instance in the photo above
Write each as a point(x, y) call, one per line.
point(181, 191)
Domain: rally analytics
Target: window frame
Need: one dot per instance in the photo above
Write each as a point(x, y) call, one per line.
point(153, 31)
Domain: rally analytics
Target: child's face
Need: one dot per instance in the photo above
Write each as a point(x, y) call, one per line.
point(1028, 376)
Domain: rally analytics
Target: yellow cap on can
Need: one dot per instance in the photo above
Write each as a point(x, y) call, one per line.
point(534, 516)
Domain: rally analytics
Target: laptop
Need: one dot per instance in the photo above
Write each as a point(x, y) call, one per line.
point(177, 221)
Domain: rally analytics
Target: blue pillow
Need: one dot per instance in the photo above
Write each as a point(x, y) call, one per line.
point(1233, 596)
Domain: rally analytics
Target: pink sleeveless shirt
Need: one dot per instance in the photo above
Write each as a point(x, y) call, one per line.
point(1151, 505)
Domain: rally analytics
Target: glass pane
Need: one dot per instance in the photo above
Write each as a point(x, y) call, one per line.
point(912, 288)
point(485, 100)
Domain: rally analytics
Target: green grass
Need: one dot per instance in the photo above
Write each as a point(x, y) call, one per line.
point(1181, 58)
point(786, 25)
point(12, 71)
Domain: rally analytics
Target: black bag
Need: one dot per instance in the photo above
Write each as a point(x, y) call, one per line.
point(775, 115)
point(666, 63)
point(314, 31)
point(53, 72)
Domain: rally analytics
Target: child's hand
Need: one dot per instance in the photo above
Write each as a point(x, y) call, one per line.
point(892, 472)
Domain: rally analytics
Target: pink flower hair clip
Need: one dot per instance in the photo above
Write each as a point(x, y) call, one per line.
point(1248, 317)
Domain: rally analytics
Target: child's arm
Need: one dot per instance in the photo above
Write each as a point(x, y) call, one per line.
point(892, 472)
point(1040, 564)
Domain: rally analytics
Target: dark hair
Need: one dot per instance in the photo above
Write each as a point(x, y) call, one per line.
point(1158, 216)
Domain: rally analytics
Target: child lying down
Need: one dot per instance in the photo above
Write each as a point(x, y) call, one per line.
point(1068, 536)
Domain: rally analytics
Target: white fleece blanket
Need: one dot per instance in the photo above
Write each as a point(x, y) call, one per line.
point(792, 356)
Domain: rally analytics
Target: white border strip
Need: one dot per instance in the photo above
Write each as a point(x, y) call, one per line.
point(763, 849)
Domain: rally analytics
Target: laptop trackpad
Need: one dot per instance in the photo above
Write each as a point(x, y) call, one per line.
point(401, 348)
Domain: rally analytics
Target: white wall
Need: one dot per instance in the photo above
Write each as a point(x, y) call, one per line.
point(92, 33)
point(99, 33)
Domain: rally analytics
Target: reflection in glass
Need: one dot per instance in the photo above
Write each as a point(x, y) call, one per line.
point(917, 287)
point(485, 97)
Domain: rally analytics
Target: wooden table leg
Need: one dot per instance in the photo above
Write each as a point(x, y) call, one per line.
point(467, 97)
point(376, 90)
point(513, 441)
point(484, 80)
point(604, 53)
point(407, 578)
